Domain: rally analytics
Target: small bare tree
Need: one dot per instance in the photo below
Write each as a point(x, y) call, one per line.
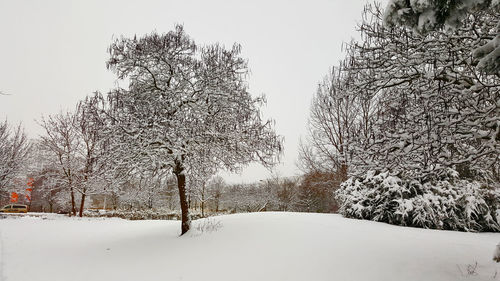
point(216, 187)
point(47, 189)
point(287, 194)
point(90, 129)
point(339, 117)
point(62, 140)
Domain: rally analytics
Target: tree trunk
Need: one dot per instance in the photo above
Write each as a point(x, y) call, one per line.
point(82, 204)
point(343, 172)
point(203, 200)
point(73, 208)
point(70, 184)
point(31, 199)
point(203, 209)
point(181, 185)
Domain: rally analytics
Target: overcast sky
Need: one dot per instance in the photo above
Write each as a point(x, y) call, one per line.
point(53, 53)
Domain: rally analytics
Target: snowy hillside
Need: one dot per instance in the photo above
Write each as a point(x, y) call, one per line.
point(258, 246)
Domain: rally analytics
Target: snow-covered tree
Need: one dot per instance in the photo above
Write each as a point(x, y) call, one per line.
point(47, 192)
point(250, 197)
point(93, 149)
point(80, 149)
point(330, 127)
point(435, 111)
point(198, 184)
point(427, 15)
point(216, 187)
point(431, 157)
point(143, 191)
point(62, 140)
point(185, 104)
point(14, 149)
point(339, 117)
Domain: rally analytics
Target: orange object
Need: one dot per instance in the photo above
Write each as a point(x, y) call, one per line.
point(30, 183)
point(14, 197)
point(28, 193)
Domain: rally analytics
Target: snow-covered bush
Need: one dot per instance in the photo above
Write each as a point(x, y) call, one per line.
point(451, 203)
point(207, 225)
point(139, 214)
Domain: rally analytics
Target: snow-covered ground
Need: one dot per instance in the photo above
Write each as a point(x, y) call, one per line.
point(256, 247)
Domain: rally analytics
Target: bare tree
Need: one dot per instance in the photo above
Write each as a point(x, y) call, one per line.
point(90, 129)
point(47, 189)
point(186, 104)
point(315, 191)
point(339, 117)
point(62, 140)
point(287, 194)
point(216, 187)
point(201, 192)
point(14, 149)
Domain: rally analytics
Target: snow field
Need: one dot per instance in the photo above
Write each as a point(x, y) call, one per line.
point(257, 246)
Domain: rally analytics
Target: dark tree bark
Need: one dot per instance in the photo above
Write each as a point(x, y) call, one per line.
point(73, 208)
point(82, 204)
point(181, 185)
point(203, 206)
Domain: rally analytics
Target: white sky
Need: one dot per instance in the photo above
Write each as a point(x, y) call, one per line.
point(53, 53)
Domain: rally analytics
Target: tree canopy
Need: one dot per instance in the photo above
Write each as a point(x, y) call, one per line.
point(429, 15)
point(187, 107)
